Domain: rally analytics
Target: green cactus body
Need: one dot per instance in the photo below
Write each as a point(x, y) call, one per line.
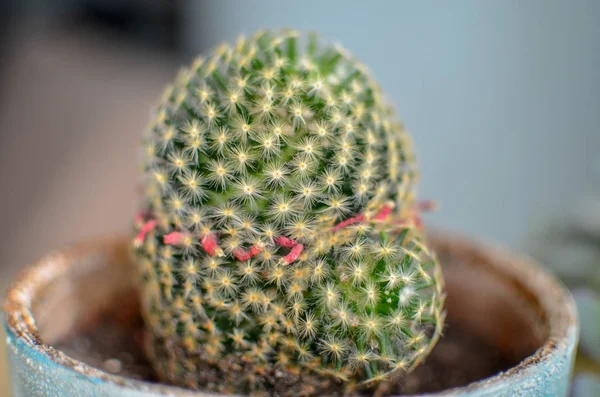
point(276, 229)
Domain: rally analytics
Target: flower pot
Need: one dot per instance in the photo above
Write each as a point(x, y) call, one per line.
point(74, 327)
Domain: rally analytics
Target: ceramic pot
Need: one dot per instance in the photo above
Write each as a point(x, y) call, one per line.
point(505, 301)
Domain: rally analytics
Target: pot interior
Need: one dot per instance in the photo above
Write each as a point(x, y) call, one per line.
point(493, 315)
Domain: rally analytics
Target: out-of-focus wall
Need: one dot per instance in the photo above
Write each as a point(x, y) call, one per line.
point(73, 110)
point(502, 97)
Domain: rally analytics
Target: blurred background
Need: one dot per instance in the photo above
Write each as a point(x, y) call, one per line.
point(502, 98)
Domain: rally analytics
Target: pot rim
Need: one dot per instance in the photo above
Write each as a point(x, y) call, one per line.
point(556, 304)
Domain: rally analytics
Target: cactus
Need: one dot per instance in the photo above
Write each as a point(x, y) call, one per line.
point(279, 232)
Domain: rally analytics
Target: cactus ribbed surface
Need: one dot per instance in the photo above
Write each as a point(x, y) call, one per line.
point(278, 229)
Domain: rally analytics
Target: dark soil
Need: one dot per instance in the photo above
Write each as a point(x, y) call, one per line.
point(457, 360)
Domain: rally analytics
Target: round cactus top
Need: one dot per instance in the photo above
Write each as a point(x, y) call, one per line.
point(285, 138)
point(273, 170)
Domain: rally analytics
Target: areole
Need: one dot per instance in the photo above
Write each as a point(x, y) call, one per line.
point(508, 301)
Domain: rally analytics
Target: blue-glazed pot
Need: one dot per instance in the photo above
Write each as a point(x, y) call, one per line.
point(507, 301)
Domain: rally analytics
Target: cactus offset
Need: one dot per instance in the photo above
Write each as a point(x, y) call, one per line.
point(278, 227)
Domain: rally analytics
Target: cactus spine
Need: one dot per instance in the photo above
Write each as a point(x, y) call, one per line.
point(278, 225)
